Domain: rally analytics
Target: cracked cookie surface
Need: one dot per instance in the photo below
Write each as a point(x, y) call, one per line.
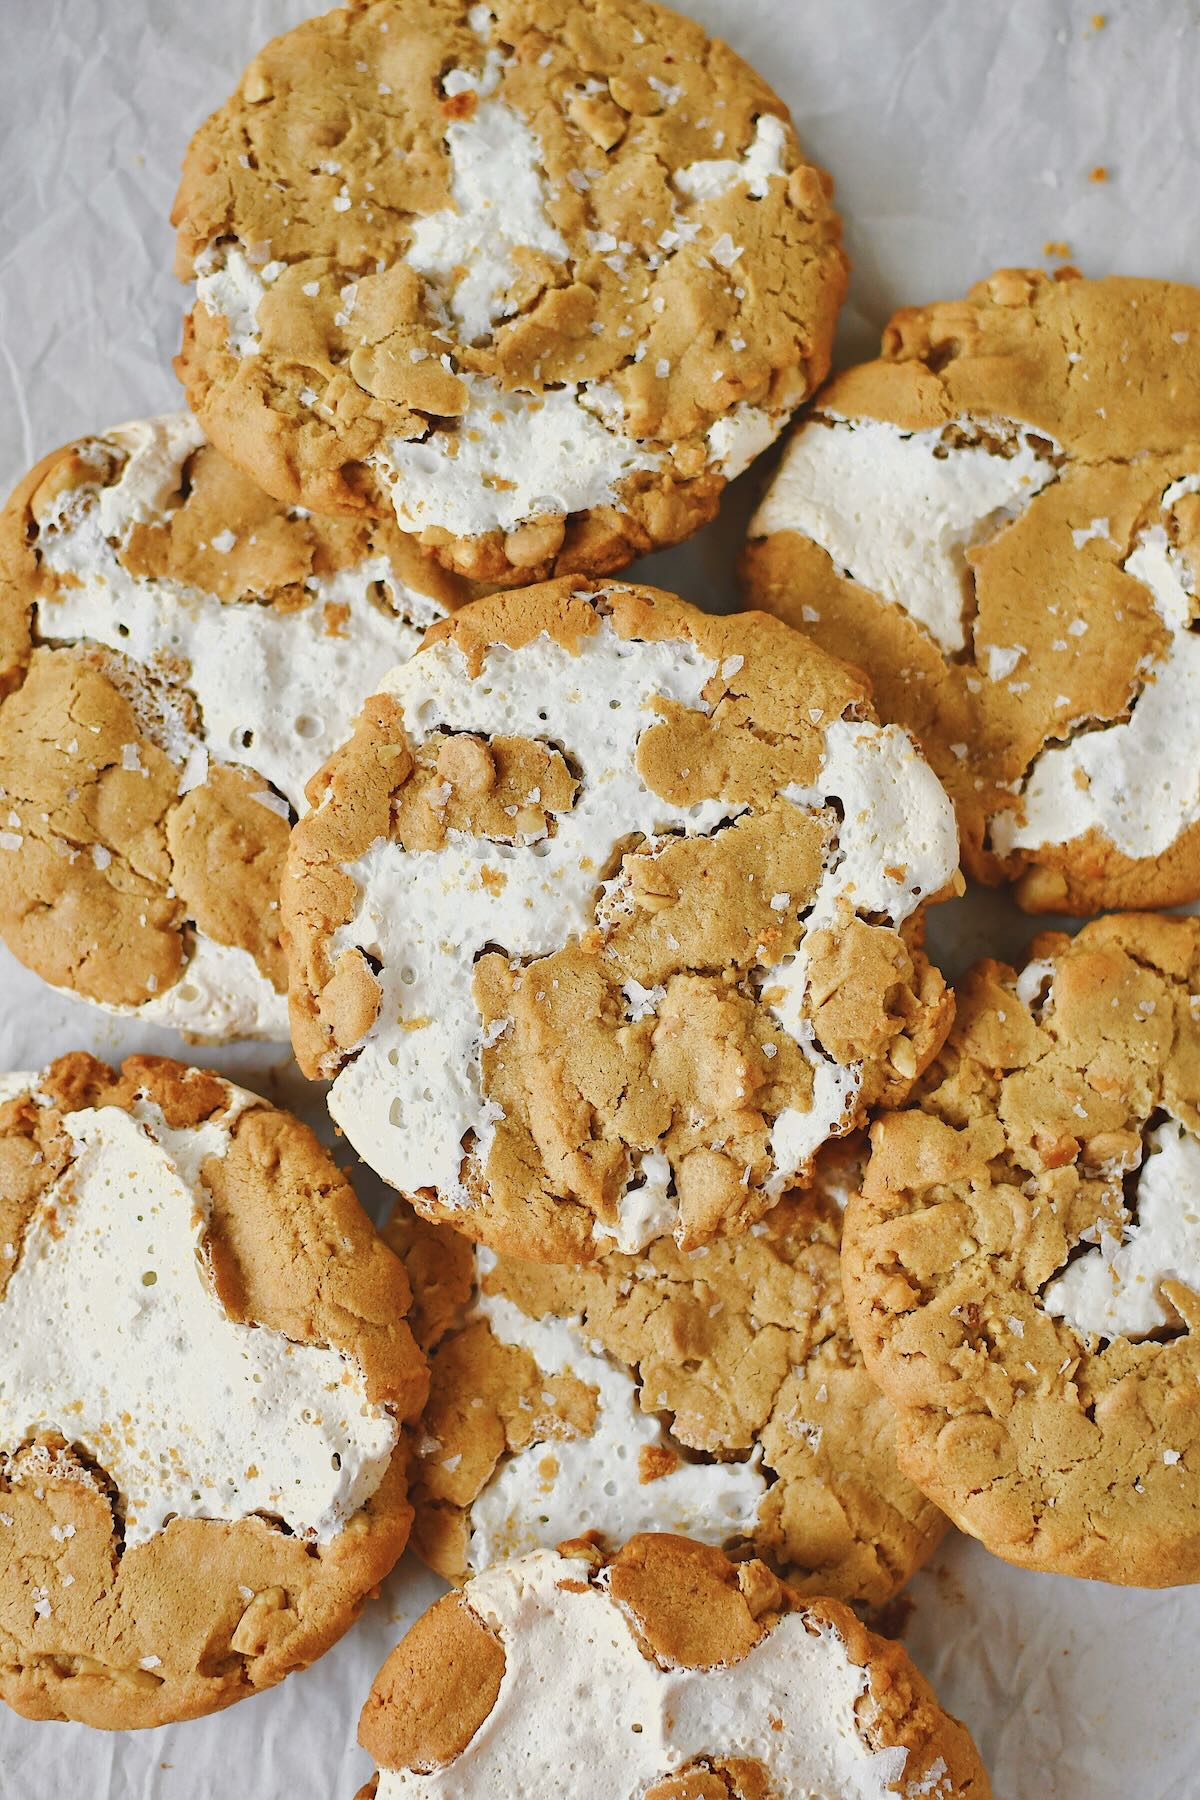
point(205, 1369)
point(1022, 1266)
point(690, 1678)
point(535, 279)
point(178, 653)
point(716, 1393)
point(1000, 521)
point(608, 917)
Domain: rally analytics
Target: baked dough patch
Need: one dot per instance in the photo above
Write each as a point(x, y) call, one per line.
point(607, 918)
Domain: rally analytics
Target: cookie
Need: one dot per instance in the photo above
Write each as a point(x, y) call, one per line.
point(1000, 521)
point(535, 279)
point(608, 917)
point(685, 1678)
point(178, 653)
point(204, 1369)
point(1022, 1267)
point(717, 1393)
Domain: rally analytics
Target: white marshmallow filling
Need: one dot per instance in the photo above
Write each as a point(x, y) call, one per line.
point(538, 1495)
point(897, 511)
point(112, 1336)
point(1114, 1288)
point(1135, 781)
point(795, 1703)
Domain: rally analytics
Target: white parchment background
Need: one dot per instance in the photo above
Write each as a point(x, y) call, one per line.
point(961, 134)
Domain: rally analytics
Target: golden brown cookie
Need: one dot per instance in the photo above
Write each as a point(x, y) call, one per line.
point(678, 1676)
point(1000, 521)
point(178, 653)
point(1022, 1267)
point(608, 917)
point(716, 1393)
point(204, 1369)
point(537, 277)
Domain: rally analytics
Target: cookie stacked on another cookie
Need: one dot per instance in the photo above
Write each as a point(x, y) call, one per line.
point(178, 652)
point(535, 279)
point(1000, 521)
point(205, 1366)
point(608, 918)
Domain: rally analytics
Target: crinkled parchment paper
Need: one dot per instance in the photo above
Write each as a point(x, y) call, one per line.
point(962, 135)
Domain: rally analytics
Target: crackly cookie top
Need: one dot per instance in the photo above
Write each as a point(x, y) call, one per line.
point(200, 1402)
point(716, 1393)
point(539, 277)
point(688, 1679)
point(599, 919)
point(1022, 1268)
point(178, 653)
point(1000, 520)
